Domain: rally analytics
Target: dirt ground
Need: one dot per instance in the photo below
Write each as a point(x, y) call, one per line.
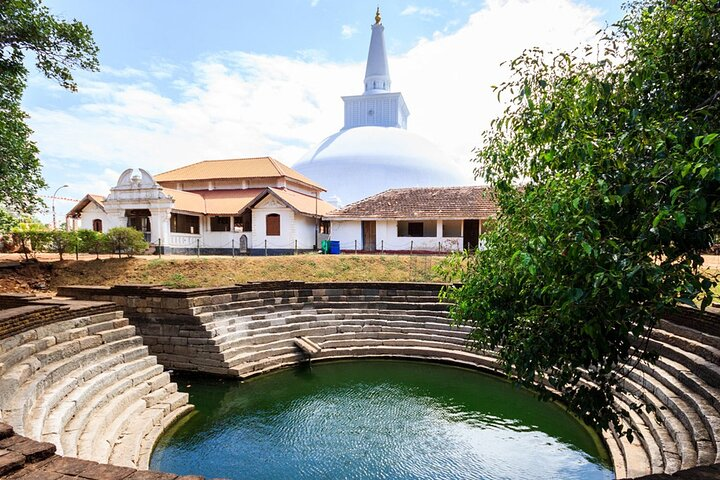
point(179, 271)
point(176, 271)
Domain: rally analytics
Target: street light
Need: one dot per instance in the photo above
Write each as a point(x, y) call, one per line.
point(53, 205)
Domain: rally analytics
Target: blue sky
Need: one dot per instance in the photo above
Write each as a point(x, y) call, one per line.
point(182, 81)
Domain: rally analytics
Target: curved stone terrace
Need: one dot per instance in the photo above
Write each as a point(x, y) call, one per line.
point(86, 376)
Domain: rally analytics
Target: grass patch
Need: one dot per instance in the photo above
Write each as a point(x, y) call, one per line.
point(220, 271)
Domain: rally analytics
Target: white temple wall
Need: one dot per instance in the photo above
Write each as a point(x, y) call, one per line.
point(90, 212)
point(305, 230)
point(286, 239)
point(347, 232)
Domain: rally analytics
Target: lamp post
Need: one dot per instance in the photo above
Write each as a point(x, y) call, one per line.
point(53, 205)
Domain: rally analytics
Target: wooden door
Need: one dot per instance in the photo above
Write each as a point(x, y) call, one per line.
point(368, 234)
point(471, 232)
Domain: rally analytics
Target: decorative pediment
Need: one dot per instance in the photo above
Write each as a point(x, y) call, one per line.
point(271, 202)
point(136, 187)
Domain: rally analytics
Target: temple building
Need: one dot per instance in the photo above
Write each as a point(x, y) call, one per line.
point(374, 151)
point(245, 206)
point(422, 219)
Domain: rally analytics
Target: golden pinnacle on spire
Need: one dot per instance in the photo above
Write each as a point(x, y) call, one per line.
point(377, 16)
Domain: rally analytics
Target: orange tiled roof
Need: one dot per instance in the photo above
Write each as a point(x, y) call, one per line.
point(422, 203)
point(212, 202)
point(87, 199)
point(306, 204)
point(242, 168)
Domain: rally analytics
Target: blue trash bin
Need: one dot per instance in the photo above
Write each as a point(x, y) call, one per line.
point(334, 247)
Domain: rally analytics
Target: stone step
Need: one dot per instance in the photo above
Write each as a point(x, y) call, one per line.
point(251, 322)
point(665, 417)
point(616, 454)
point(268, 363)
point(314, 328)
point(69, 330)
point(689, 333)
point(33, 380)
point(708, 371)
point(56, 427)
point(55, 394)
point(97, 402)
point(98, 438)
point(103, 430)
point(307, 346)
point(697, 409)
point(292, 298)
point(642, 455)
point(148, 442)
point(708, 352)
point(58, 329)
point(220, 325)
point(127, 449)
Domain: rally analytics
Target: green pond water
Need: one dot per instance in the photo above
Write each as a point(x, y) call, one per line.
point(376, 420)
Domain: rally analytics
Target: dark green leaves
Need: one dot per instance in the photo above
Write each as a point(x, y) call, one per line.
point(621, 160)
point(59, 47)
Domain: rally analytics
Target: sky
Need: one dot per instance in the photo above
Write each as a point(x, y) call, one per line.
point(188, 80)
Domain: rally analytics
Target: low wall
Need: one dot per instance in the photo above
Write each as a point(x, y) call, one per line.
point(244, 330)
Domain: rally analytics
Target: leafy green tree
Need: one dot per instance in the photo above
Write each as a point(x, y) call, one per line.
point(32, 236)
point(62, 241)
point(92, 242)
point(58, 47)
point(125, 240)
point(619, 154)
point(8, 221)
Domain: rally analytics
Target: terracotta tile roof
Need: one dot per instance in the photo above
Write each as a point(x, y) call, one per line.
point(76, 211)
point(422, 203)
point(212, 202)
point(242, 168)
point(306, 204)
point(98, 198)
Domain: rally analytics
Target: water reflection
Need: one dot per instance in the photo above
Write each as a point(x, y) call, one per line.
point(376, 419)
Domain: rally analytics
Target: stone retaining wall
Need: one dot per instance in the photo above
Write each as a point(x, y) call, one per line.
point(20, 312)
point(249, 329)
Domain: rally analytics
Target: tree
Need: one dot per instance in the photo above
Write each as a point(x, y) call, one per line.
point(92, 242)
point(59, 47)
point(62, 241)
point(125, 240)
point(32, 236)
point(619, 153)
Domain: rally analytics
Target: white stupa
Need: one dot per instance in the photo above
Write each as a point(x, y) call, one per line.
point(374, 151)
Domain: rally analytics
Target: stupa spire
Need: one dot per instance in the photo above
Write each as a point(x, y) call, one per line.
point(377, 73)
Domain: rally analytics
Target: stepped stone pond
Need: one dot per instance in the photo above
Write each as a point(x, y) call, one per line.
point(375, 419)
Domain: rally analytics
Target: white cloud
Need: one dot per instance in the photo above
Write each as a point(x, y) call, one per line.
point(421, 11)
point(238, 104)
point(348, 31)
point(313, 3)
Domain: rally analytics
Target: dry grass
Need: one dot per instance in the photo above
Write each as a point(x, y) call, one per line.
point(219, 271)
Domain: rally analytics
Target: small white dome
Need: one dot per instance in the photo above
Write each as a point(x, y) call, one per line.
point(359, 162)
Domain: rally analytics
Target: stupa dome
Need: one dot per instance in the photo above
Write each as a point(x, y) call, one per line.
point(358, 162)
point(374, 152)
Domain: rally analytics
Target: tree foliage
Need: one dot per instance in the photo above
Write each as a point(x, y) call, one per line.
point(32, 236)
point(63, 241)
point(91, 241)
point(618, 150)
point(58, 47)
point(125, 240)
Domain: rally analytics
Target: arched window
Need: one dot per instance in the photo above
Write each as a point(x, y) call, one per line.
point(272, 224)
point(97, 225)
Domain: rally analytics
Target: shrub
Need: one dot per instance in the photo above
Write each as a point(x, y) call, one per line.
point(125, 240)
point(62, 241)
point(32, 237)
point(91, 241)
